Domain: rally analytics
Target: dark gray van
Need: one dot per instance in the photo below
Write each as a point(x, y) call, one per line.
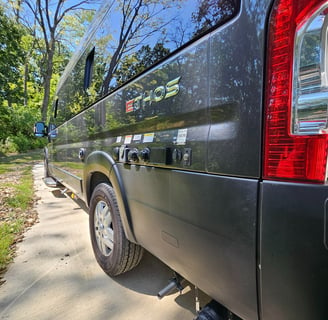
point(198, 130)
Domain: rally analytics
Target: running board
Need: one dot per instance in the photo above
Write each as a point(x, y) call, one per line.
point(51, 182)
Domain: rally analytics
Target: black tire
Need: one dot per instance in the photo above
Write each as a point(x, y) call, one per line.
point(212, 311)
point(114, 252)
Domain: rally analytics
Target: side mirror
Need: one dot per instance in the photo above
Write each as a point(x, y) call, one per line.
point(52, 131)
point(40, 129)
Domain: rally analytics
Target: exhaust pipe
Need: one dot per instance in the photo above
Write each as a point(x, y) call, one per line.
point(175, 283)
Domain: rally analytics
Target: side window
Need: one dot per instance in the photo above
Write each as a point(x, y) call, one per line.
point(145, 32)
point(76, 90)
point(129, 37)
point(55, 108)
point(59, 112)
point(88, 69)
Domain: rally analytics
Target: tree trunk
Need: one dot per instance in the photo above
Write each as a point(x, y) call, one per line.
point(25, 82)
point(46, 85)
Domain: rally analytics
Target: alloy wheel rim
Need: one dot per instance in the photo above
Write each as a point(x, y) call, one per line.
point(103, 226)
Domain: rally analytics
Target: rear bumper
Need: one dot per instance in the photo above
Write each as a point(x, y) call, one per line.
point(293, 255)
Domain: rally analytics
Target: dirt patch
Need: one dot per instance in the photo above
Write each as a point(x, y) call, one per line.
point(8, 214)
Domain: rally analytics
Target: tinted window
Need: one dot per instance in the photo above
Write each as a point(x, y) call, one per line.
point(128, 37)
point(137, 34)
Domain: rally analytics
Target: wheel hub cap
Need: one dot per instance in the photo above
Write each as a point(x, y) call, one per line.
point(103, 225)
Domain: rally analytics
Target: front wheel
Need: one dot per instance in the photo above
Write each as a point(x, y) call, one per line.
point(113, 251)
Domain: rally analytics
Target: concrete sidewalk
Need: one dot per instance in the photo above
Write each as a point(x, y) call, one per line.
point(55, 275)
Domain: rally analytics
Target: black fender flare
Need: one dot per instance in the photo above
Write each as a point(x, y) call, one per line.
point(101, 162)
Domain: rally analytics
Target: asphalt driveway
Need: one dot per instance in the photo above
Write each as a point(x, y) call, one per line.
point(55, 275)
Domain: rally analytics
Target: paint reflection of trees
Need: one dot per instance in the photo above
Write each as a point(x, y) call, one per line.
point(188, 24)
point(151, 30)
point(139, 61)
point(139, 21)
point(212, 13)
point(134, 36)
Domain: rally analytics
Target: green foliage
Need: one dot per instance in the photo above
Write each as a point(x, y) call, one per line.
point(19, 135)
point(16, 118)
point(20, 200)
point(12, 57)
point(75, 25)
point(23, 68)
point(21, 143)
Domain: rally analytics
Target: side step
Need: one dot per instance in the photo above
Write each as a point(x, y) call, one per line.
point(51, 182)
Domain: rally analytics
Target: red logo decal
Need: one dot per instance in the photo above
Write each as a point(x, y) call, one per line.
point(129, 106)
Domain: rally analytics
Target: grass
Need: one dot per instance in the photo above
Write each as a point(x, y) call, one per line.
point(15, 206)
point(8, 232)
point(6, 168)
point(23, 194)
point(21, 158)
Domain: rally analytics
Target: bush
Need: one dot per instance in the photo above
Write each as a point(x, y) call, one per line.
point(8, 146)
point(21, 143)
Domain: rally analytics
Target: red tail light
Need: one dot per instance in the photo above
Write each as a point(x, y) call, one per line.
point(296, 115)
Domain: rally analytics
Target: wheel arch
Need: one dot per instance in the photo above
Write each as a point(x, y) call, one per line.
point(100, 167)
